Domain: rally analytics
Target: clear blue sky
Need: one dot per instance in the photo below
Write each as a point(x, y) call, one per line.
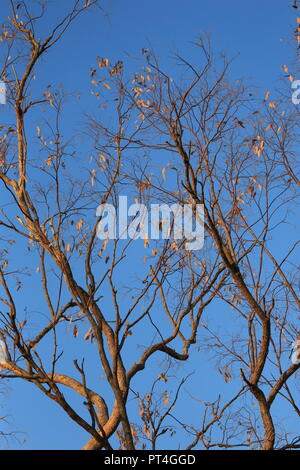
point(253, 31)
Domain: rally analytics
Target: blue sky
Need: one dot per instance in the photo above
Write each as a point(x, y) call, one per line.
point(253, 32)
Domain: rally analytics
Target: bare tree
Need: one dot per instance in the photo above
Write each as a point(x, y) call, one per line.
point(197, 138)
